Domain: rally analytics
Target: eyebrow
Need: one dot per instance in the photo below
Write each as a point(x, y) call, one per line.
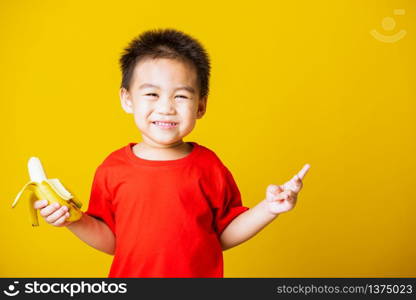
point(185, 87)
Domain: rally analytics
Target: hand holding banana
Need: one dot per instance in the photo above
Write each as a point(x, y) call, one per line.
point(63, 207)
point(283, 198)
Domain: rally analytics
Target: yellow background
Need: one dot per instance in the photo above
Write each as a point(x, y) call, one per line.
point(293, 82)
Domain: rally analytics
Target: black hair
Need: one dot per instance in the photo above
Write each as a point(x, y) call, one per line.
point(166, 43)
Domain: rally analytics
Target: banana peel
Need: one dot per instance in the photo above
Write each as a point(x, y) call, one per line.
point(50, 189)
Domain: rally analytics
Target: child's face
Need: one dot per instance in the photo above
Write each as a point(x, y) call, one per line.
point(163, 90)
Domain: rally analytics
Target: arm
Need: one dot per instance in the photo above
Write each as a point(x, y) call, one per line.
point(246, 225)
point(279, 199)
point(94, 232)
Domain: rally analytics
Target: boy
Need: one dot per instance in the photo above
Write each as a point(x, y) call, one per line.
point(165, 207)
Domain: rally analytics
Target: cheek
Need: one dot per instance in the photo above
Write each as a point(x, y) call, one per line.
point(189, 111)
point(189, 116)
point(141, 112)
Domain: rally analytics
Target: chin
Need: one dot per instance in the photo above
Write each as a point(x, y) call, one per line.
point(166, 142)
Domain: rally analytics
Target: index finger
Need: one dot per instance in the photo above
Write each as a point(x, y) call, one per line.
point(303, 172)
point(40, 204)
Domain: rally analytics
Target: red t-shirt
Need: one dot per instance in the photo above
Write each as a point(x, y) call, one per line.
point(167, 216)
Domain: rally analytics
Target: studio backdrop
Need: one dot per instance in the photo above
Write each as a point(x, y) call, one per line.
point(329, 83)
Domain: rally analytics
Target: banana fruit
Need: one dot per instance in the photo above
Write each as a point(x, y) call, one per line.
point(39, 187)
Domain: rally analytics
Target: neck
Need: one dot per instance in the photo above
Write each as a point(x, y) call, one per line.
point(173, 151)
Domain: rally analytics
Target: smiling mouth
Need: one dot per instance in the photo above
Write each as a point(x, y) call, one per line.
point(165, 124)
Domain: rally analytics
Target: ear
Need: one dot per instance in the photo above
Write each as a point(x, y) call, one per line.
point(202, 107)
point(126, 102)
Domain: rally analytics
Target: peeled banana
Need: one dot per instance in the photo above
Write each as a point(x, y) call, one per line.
point(39, 187)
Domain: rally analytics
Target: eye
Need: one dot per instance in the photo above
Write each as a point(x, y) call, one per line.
point(182, 96)
point(151, 94)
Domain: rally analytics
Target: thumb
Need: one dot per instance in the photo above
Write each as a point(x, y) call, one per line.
point(274, 189)
point(280, 189)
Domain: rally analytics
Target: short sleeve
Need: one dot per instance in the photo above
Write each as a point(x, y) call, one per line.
point(229, 204)
point(100, 204)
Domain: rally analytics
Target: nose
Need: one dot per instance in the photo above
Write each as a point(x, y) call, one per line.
point(165, 105)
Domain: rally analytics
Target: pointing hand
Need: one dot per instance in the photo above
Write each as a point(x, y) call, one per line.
point(282, 198)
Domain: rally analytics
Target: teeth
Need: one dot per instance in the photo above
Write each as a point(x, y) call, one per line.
point(164, 123)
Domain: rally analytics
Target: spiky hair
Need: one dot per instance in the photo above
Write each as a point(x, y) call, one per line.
point(166, 43)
